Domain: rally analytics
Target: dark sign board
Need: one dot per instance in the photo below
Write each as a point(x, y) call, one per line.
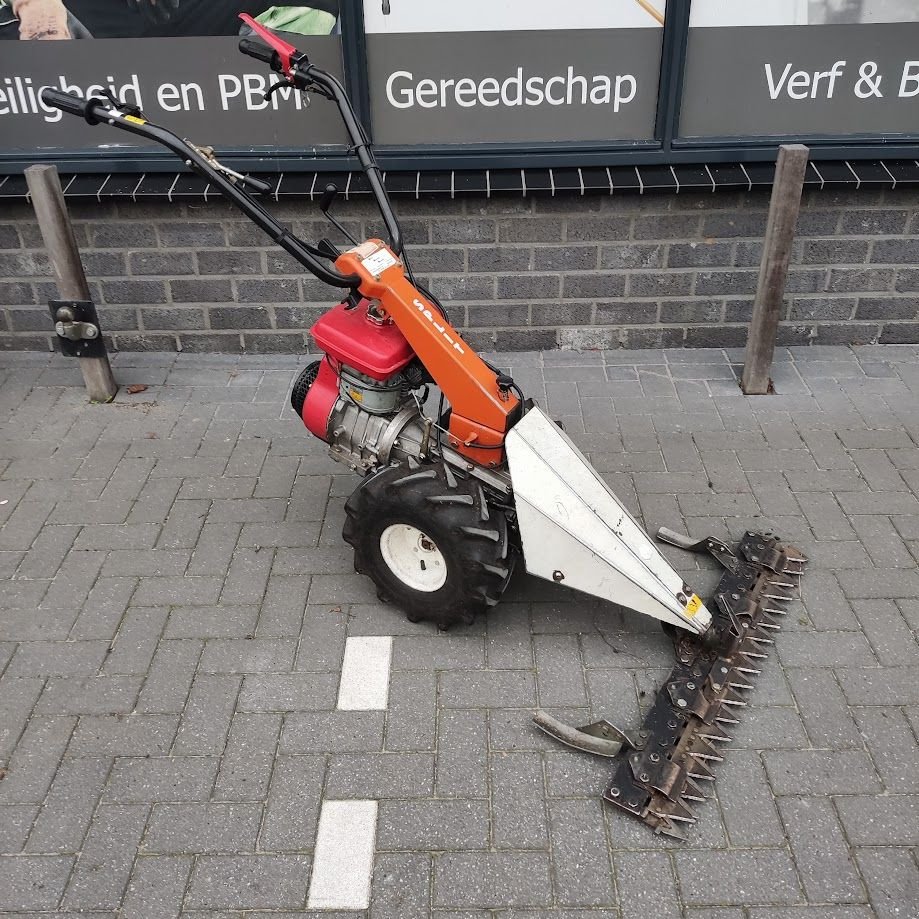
point(198, 85)
point(483, 72)
point(605, 80)
point(784, 67)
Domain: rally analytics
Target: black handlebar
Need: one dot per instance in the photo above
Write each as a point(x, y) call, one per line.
point(260, 51)
point(303, 76)
point(73, 105)
point(97, 109)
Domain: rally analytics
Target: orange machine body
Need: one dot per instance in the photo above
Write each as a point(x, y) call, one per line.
point(481, 412)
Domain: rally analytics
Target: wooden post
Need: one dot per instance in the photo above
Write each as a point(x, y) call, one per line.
point(773, 272)
point(57, 233)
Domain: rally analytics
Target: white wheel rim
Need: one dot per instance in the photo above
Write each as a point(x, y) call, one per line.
point(413, 557)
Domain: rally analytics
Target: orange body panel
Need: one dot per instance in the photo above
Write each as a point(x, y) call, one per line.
point(480, 410)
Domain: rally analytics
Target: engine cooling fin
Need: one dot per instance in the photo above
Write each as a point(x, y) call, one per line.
point(662, 769)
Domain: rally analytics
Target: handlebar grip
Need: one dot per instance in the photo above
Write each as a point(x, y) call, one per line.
point(260, 52)
point(66, 102)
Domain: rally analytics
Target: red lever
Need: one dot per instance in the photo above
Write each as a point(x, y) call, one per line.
point(283, 48)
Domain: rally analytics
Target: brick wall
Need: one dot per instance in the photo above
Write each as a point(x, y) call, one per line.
point(515, 274)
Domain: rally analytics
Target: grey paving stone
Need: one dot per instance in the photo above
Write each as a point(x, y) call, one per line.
point(214, 549)
point(247, 576)
point(253, 882)
point(322, 640)
point(104, 608)
point(15, 824)
point(401, 886)
point(747, 805)
point(893, 882)
point(170, 676)
point(880, 820)
point(571, 775)
point(221, 621)
point(255, 655)
point(559, 671)
point(156, 888)
point(292, 809)
point(808, 772)
point(150, 779)
point(483, 688)
point(120, 536)
point(18, 696)
point(462, 752)
point(49, 550)
point(33, 882)
point(820, 850)
point(580, 856)
point(380, 775)
point(92, 695)
point(826, 604)
point(831, 649)
point(492, 880)
point(288, 692)
point(101, 875)
point(343, 732)
point(33, 764)
point(432, 825)
point(135, 642)
point(57, 658)
point(891, 638)
point(646, 886)
point(411, 717)
point(67, 811)
point(447, 651)
point(195, 829)
point(742, 877)
point(283, 606)
point(167, 591)
point(823, 708)
point(518, 807)
point(206, 717)
point(892, 745)
point(248, 758)
point(123, 735)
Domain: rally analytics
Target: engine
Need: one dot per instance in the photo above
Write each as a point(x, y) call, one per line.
point(359, 398)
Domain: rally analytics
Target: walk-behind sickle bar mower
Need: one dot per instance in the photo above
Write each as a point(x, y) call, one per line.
point(450, 499)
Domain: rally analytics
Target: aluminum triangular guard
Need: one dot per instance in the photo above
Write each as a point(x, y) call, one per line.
point(575, 531)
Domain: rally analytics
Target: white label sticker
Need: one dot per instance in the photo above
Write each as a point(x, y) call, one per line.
point(377, 263)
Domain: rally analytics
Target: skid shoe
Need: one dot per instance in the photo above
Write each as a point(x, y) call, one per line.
point(661, 769)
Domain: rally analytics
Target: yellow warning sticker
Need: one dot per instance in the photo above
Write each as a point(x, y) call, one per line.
point(693, 606)
point(135, 119)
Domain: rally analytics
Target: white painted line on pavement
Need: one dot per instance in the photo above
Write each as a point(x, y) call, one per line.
point(364, 682)
point(343, 860)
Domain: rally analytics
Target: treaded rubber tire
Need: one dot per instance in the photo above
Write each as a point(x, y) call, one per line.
point(302, 387)
point(451, 511)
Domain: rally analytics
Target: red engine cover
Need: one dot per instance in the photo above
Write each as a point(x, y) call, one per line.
point(378, 351)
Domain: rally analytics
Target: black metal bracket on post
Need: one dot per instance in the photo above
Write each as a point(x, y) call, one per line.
point(76, 323)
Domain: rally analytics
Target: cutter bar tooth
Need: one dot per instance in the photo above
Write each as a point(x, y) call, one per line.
point(775, 612)
point(692, 792)
point(706, 757)
point(738, 684)
point(726, 719)
point(666, 828)
point(694, 773)
point(677, 811)
point(761, 640)
point(712, 732)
